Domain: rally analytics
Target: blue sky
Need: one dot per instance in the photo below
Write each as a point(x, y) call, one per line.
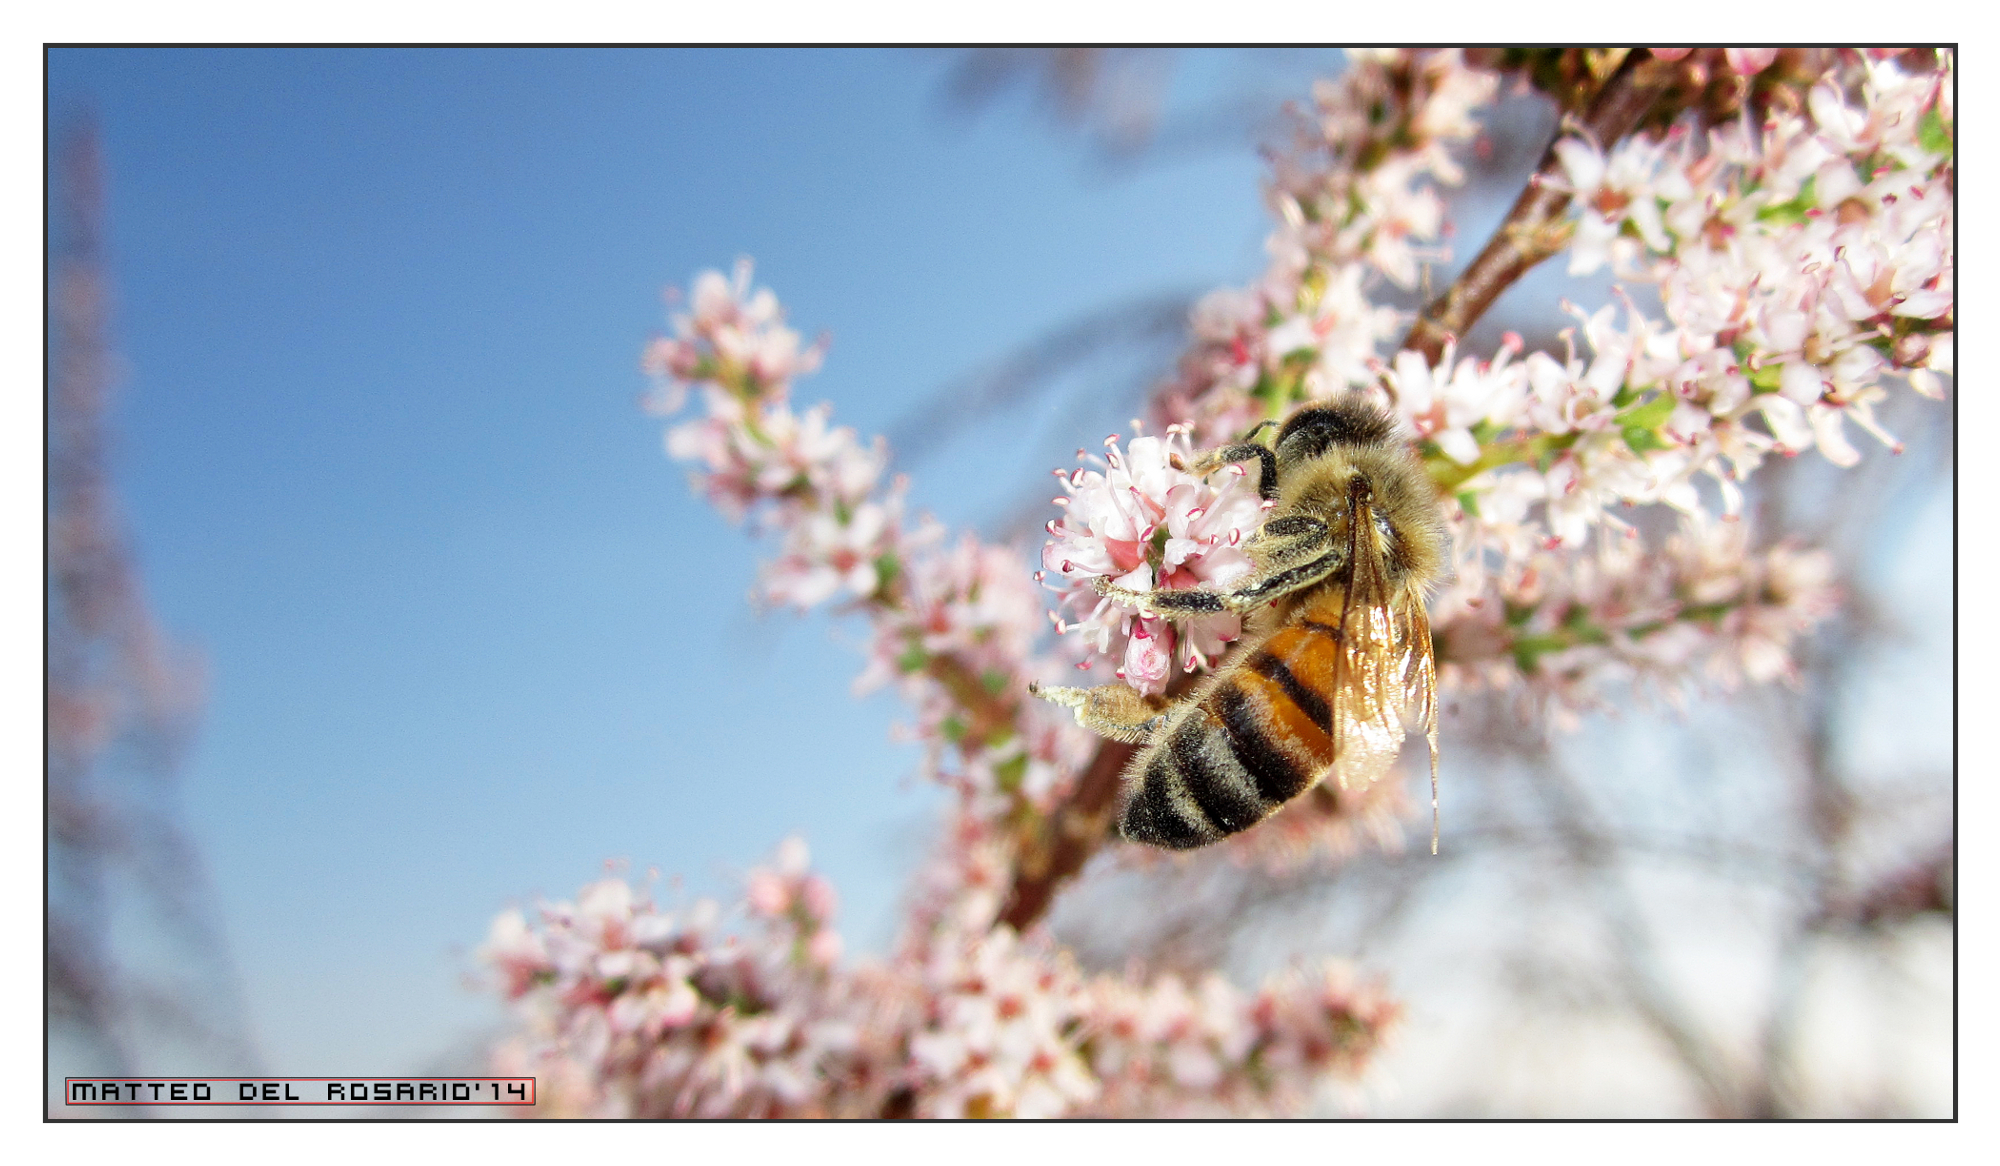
point(467, 633)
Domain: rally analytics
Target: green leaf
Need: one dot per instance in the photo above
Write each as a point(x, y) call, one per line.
point(1276, 393)
point(1794, 210)
point(1469, 503)
point(913, 658)
point(1766, 379)
point(1528, 651)
point(1707, 612)
point(1934, 133)
point(1643, 441)
point(1640, 423)
point(993, 681)
point(1649, 415)
point(1008, 774)
point(953, 729)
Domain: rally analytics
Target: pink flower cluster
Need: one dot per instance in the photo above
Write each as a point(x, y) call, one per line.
point(731, 333)
point(952, 623)
point(1358, 185)
point(1356, 201)
point(1561, 629)
point(791, 471)
point(1795, 263)
point(1143, 523)
point(1203, 1049)
point(632, 1012)
point(629, 1010)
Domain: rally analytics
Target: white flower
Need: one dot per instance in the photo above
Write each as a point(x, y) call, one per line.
point(1143, 524)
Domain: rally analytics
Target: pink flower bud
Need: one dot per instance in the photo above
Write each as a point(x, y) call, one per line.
point(1149, 657)
point(1750, 61)
point(819, 898)
point(767, 893)
point(824, 948)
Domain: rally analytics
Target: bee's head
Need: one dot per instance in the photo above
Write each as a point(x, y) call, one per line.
point(1351, 420)
point(1348, 457)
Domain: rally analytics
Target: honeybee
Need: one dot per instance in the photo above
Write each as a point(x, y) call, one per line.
point(1338, 648)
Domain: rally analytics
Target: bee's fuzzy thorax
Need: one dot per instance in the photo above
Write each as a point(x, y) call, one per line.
point(1398, 490)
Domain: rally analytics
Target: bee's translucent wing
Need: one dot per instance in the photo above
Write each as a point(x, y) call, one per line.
point(1367, 703)
point(1385, 675)
point(1420, 689)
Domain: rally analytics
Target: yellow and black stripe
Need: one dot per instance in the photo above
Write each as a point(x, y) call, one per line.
point(1258, 738)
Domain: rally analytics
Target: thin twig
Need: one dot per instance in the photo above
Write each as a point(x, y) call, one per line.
point(1535, 228)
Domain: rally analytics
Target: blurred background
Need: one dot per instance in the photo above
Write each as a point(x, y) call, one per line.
point(376, 605)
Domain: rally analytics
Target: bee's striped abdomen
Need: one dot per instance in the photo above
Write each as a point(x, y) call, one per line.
point(1257, 739)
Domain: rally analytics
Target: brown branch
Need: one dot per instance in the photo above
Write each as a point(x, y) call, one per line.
point(1072, 834)
point(1535, 228)
point(1076, 828)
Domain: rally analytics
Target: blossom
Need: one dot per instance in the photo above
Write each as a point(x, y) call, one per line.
point(631, 1012)
point(1179, 1049)
point(634, 1010)
point(1795, 270)
point(1705, 609)
point(1628, 187)
point(1143, 523)
point(628, 1009)
point(732, 331)
point(1749, 61)
point(1445, 404)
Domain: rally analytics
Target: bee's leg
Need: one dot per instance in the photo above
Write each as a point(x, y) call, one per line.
point(1253, 592)
point(1280, 548)
point(1243, 595)
point(1215, 459)
point(1287, 540)
point(1261, 426)
point(1111, 710)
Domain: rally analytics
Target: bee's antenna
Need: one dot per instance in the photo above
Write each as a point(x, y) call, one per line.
point(1431, 735)
point(1434, 802)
